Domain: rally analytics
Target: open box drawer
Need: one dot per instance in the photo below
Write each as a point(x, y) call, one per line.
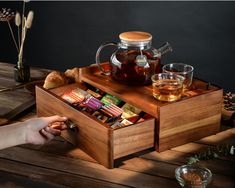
point(98, 139)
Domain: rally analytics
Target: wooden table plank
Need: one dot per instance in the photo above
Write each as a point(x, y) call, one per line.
point(34, 176)
point(12, 180)
point(87, 169)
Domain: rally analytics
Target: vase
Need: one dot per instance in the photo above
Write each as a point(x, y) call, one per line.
point(22, 74)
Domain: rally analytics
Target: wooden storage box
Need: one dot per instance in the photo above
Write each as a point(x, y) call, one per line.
point(98, 139)
point(196, 115)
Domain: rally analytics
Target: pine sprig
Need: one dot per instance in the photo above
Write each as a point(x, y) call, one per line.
point(212, 153)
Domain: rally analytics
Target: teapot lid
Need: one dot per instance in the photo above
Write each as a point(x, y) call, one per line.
point(135, 36)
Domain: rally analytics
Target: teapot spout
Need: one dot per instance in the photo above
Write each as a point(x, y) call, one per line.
point(165, 48)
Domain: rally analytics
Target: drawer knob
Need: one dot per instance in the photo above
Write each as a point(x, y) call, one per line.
point(71, 124)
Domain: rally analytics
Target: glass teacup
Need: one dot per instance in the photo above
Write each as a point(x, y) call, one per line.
point(181, 69)
point(167, 86)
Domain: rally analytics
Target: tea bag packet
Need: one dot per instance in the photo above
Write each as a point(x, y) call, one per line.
point(113, 109)
point(107, 99)
point(75, 96)
point(108, 114)
point(116, 124)
point(130, 120)
point(93, 103)
point(129, 111)
point(94, 94)
point(133, 119)
point(93, 91)
point(105, 116)
point(126, 122)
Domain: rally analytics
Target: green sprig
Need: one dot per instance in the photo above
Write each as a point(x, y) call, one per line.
point(212, 153)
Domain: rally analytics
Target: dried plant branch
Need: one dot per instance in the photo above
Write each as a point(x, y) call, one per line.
point(6, 15)
point(20, 56)
point(23, 23)
point(13, 37)
point(27, 25)
point(18, 22)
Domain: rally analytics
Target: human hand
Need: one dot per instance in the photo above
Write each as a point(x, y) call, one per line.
point(38, 131)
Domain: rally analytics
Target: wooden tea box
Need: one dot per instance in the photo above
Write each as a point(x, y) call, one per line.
point(194, 116)
point(98, 139)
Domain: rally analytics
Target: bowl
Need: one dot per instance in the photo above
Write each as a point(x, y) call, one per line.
point(193, 176)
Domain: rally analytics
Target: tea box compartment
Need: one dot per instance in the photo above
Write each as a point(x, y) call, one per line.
point(98, 139)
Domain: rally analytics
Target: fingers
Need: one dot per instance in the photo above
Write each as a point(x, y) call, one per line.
point(55, 132)
point(55, 118)
point(47, 135)
point(58, 125)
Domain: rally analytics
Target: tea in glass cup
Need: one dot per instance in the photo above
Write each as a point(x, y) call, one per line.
point(167, 86)
point(181, 69)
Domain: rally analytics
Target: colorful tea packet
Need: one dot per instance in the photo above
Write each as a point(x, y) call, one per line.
point(125, 122)
point(113, 109)
point(105, 116)
point(129, 111)
point(133, 119)
point(94, 94)
point(93, 103)
point(75, 96)
point(111, 117)
point(116, 124)
point(107, 99)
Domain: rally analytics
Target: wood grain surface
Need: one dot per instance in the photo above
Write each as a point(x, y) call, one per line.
point(93, 136)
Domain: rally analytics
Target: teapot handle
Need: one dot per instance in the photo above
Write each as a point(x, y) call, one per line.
point(97, 57)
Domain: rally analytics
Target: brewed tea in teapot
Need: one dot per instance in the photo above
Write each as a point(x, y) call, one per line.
point(135, 60)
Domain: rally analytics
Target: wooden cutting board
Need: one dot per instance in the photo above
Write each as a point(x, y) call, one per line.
point(16, 101)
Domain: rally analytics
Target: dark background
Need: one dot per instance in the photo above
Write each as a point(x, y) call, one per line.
point(67, 34)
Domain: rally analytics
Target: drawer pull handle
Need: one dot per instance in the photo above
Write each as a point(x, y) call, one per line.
point(71, 124)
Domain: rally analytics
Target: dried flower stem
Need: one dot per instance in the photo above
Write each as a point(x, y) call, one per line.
point(9, 25)
point(23, 20)
point(20, 57)
point(18, 22)
point(6, 15)
point(18, 36)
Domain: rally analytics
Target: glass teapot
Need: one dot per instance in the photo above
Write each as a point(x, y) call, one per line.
point(135, 60)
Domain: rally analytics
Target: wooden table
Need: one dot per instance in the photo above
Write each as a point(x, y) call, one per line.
point(60, 164)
